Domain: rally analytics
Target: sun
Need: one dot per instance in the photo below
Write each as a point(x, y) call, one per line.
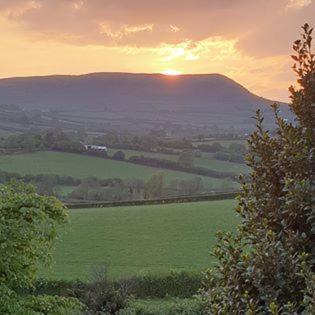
point(171, 72)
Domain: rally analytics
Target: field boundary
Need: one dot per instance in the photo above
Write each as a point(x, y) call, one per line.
point(179, 199)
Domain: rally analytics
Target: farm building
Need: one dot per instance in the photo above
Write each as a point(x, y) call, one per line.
point(95, 147)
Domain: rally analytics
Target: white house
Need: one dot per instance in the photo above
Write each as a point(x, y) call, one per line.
point(95, 147)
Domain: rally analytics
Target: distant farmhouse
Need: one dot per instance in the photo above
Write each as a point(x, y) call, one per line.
point(95, 147)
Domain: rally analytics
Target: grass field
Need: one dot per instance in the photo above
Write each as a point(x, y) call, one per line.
point(133, 240)
point(81, 166)
point(225, 143)
point(206, 160)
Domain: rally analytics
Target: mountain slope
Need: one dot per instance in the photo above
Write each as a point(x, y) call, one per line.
point(168, 97)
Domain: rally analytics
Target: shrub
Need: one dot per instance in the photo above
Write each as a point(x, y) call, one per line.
point(119, 155)
point(176, 284)
point(186, 159)
point(230, 157)
point(101, 296)
point(165, 307)
point(46, 304)
point(214, 147)
point(267, 267)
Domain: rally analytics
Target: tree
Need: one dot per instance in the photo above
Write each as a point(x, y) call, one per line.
point(186, 159)
point(216, 146)
point(110, 139)
point(28, 225)
point(155, 186)
point(119, 155)
point(267, 267)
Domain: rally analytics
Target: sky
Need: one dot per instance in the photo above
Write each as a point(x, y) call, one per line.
point(247, 40)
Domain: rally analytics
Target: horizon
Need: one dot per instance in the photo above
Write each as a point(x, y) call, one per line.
point(146, 37)
point(141, 73)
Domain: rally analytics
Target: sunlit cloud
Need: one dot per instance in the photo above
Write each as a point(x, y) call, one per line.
point(249, 41)
point(124, 30)
point(174, 28)
point(19, 9)
point(215, 47)
point(297, 4)
point(77, 5)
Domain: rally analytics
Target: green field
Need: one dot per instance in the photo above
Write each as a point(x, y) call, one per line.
point(206, 160)
point(223, 142)
point(139, 239)
point(82, 166)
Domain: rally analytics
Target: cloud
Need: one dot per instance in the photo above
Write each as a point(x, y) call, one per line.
point(150, 23)
point(174, 28)
point(297, 4)
point(247, 40)
point(123, 31)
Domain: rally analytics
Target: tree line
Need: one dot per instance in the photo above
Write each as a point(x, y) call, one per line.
point(109, 189)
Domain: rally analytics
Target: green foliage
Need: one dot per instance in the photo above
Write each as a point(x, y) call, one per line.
point(155, 186)
point(47, 304)
point(186, 159)
point(186, 187)
point(266, 267)
point(173, 306)
point(119, 155)
point(148, 142)
point(101, 296)
point(181, 284)
point(28, 225)
point(54, 140)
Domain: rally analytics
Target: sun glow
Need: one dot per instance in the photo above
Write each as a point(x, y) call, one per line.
point(171, 72)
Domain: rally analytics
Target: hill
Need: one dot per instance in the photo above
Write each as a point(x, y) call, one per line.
point(137, 101)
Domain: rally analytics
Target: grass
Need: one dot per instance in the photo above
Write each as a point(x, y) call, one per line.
point(141, 239)
point(223, 142)
point(81, 166)
point(129, 153)
point(206, 160)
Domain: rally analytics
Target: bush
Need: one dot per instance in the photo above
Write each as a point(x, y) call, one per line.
point(230, 157)
point(165, 307)
point(267, 267)
point(53, 287)
point(46, 304)
point(119, 155)
point(176, 284)
point(101, 296)
point(186, 159)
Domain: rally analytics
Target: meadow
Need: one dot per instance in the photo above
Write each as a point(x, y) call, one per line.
point(223, 142)
point(140, 239)
point(205, 160)
point(82, 166)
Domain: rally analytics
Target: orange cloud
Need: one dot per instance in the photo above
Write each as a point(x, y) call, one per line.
point(246, 40)
point(298, 3)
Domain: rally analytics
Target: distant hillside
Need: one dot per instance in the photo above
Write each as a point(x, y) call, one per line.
point(190, 99)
